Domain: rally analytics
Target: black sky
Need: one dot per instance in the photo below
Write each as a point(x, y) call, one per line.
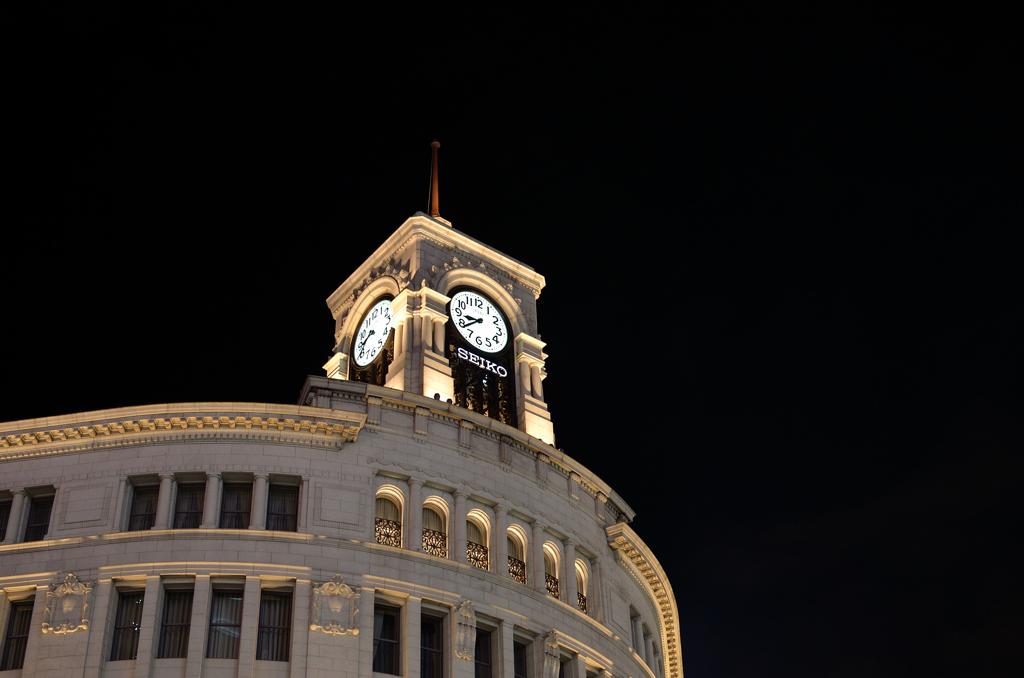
point(804, 223)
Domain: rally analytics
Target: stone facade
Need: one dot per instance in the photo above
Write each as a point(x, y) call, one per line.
point(369, 527)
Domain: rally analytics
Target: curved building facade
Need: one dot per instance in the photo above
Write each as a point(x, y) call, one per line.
point(410, 516)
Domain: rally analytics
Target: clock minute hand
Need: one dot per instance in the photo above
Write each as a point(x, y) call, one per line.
point(475, 320)
point(363, 343)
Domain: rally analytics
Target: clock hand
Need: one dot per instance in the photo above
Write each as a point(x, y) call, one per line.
point(367, 339)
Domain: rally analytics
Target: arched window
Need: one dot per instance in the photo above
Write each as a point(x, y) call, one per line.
point(516, 542)
point(476, 539)
point(582, 584)
point(551, 569)
point(435, 537)
point(388, 516)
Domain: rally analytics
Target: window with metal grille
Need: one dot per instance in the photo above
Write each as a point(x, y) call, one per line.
point(143, 515)
point(482, 655)
point(435, 539)
point(431, 646)
point(225, 624)
point(283, 508)
point(5, 515)
point(385, 640)
point(476, 551)
point(175, 625)
point(38, 519)
point(188, 509)
point(273, 639)
point(16, 639)
point(235, 505)
point(388, 523)
point(125, 644)
point(519, 660)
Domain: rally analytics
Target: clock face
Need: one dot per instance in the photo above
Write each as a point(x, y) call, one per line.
point(373, 333)
point(479, 322)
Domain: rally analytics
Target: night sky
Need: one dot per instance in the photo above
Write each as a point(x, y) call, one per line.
point(782, 250)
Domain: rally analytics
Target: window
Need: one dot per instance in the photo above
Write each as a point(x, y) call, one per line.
point(143, 514)
point(581, 586)
point(126, 626)
point(225, 624)
point(275, 631)
point(38, 519)
point(385, 640)
point(18, 624)
point(5, 515)
point(435, 540)
point(188, 509)
point(283, 508)
point(431, 646)
point(516, 562)
point(550, 574)
point(476, 552)
point(388, 523)
point(482, 655)
point(235, 506)
point(519, 660)
point(175, 625)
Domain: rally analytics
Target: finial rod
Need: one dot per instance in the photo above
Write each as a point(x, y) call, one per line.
point(434, 200)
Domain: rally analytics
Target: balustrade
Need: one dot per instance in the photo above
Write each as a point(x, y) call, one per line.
point(389, 532)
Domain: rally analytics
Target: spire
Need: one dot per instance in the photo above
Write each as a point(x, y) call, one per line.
point(433, 201)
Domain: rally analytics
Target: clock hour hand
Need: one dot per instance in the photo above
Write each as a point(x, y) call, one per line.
point(363, 343)
point(475, 320)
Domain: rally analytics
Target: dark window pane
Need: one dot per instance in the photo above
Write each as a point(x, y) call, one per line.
point(143, 508)
point(225, 625)
point(17, 637)
point(385, 640)
point(174, 628)
point(283, 508)
point(431, 647)
point(519, 658)
point(38, 519)
point(482, 658)
point(188, 509)
point(5, 515)
point(275, 629)
point(235, 506)
point(126, 627)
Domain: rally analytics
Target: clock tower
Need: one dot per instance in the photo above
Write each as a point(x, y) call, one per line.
point(438, 313)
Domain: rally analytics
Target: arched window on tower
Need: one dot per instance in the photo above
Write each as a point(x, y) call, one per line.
point(435, 537)
point(388, 520)
point(551, 570)
point(476, 540)
point(516, 542)
point(582, 583)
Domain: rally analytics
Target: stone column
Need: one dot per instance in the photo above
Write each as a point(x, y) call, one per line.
point(505, 658)
point(415, 520)
point(439, 337)
point(15, 519)
point(538, 388)
point(649, 653)
point(198, 628)
point(163, 502)
point(638, 635)
point(410, 621)
point(524, 377)
point(211, 501)
point(594, 596)
point(250, 620)
point(537, 569)
point(258, 512)
point(427, 333)
point(399, 339)
point(151, 603)
point(569, 572)
point(460, 526)
point(501, 540)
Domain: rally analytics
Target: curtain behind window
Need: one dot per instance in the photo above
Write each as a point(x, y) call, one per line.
point(177, 621)
point(274, 636)
point(282, 509)
point(387, 509)
point(432, 520)
point(225, 625)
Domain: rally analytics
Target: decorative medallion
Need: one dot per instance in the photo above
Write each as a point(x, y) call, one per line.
point(552, 657)
point(335, 606)
point(68, 606)
point(465, 636)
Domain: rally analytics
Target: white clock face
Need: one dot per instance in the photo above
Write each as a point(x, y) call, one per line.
point(479, 322)
point(373, 333)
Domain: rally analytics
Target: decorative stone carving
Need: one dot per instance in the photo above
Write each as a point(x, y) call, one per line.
point(68, 606)
point(335, 606)
point(465, 636)
point(552, 658)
